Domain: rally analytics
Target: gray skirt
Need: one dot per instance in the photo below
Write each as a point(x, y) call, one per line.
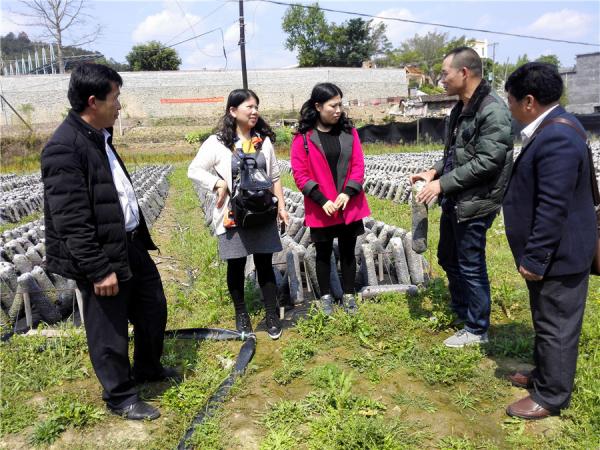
point(239, 242)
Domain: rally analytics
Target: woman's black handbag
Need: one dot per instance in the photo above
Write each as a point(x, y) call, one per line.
point(253, 203)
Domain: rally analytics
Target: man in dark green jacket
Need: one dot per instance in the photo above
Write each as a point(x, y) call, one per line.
point(470, 181)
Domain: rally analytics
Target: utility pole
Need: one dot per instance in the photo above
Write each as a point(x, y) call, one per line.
point(493, 44)
point(242, 44)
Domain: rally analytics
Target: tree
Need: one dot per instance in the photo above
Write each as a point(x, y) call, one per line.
point(550, 59)
point(153, 56)
point(307, 31)
point(57, 18)
point(110, 62)
point(521, 60)
point(319, 43)
point(353, 42)
point(425, 52)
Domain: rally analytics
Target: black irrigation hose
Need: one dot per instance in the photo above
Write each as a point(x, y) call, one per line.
point(242, 361)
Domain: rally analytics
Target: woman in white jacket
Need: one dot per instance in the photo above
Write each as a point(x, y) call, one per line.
point(215, 168)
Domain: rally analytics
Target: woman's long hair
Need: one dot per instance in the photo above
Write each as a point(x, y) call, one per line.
point(309, 114)
point(227, 129)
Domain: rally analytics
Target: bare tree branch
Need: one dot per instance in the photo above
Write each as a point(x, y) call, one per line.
point(59, 19)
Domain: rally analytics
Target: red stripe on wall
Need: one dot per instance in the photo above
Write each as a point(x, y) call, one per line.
point(193, 100)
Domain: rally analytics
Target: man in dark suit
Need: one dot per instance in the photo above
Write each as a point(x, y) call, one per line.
point(96, 234)
point(552, 231)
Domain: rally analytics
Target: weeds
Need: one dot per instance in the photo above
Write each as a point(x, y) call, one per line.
point(280, 439)
point(336, 419)
point(295, 355)
point(16, 415)
point(356, 432)
point(437, 364)
point(188, 397)
point(209, 435)
point(417, 401)
point(33, 363)
point(316, 325)
point(464, 443)
point(284, 413)
point(354, 325)
point(63, 412)
point(464, 400)
point(513, 340)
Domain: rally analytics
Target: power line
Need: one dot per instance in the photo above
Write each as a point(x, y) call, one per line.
point(419, 22)
point(202, 19)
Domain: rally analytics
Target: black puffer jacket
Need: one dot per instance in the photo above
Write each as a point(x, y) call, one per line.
point(85, 226)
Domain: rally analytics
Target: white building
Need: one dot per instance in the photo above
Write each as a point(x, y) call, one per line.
point(481, 47)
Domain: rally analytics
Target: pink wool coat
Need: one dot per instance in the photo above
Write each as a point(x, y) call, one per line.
point(313, 170)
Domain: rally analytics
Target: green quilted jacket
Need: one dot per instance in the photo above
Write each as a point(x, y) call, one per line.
point(483, 157)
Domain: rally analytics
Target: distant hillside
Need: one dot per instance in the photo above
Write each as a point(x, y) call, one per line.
point(14, 47)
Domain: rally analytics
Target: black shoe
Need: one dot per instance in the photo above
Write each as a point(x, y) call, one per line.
point(165, 374)
point(242, 323)
point(137, 411)
point(273, 326)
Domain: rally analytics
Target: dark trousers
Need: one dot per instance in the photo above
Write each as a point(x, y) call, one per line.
point(323, 249)
point(461, 253)
point(557, 306)
point(263, 262)
point(141, 301)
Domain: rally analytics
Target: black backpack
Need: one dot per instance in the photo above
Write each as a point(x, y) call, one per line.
point(252, 203)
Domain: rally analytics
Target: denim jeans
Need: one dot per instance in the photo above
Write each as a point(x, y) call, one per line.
point(461, 253)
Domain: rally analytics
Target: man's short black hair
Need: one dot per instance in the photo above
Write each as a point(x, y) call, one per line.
point(91, 79)
point(466, 57)
point(538, 79)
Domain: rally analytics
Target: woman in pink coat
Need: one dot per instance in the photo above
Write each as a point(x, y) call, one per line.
point(328, 167)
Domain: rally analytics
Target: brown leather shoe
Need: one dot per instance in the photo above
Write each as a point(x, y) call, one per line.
point(527, 408)
point(521, 379)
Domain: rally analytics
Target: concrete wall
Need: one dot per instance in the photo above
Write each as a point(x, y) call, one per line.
point(583, 84)
point(283, 90)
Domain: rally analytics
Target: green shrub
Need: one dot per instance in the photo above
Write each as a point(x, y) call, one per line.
point(197, 137)
point(283, 136)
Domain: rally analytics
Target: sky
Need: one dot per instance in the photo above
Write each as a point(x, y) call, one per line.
point(126, 23)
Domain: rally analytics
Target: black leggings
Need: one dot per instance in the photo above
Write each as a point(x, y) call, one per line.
point(266, 281)
point(347, 264)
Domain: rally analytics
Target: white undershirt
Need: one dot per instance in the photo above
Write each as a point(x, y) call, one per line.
point(124, 188)
point(528, 131)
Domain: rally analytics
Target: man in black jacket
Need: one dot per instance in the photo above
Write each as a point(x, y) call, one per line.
point(97, 235)
point(551, 228)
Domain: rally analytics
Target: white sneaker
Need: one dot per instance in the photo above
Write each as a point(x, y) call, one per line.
point(463, 337)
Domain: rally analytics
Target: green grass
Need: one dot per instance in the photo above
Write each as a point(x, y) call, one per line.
point(63, 412)
point(380, 379)
point(295, 355)
point(334, 417)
